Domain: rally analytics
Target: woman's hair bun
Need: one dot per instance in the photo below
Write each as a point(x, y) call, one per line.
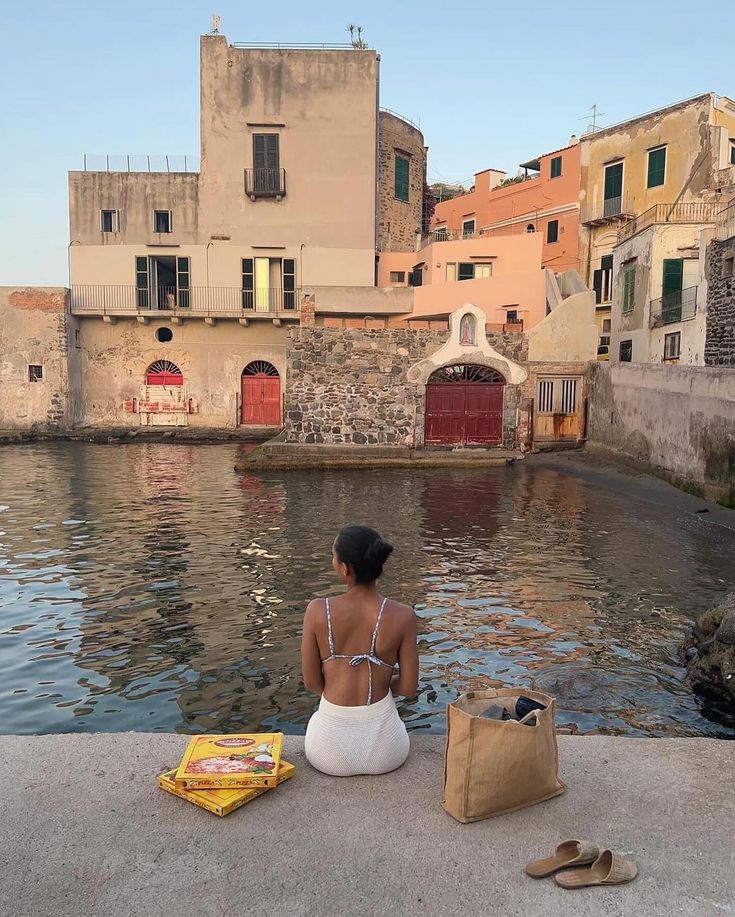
point(364, 550)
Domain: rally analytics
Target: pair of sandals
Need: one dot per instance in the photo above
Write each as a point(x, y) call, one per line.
point(603, 867)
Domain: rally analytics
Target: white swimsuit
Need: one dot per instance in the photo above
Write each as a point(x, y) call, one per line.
point(346, 741)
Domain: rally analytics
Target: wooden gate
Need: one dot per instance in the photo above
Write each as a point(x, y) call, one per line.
point(464, 407)
point(261, 395)
point(557, 410)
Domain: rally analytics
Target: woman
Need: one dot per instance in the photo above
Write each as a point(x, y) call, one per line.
point(350, 648)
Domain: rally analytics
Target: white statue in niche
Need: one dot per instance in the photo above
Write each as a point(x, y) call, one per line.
point(467, 330)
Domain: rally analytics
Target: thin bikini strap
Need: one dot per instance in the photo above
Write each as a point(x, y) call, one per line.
point(377, 625)
point(330, 635)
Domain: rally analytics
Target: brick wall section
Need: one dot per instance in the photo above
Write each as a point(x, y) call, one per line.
point(719, 348)
point(398, 222)
point(350, 385)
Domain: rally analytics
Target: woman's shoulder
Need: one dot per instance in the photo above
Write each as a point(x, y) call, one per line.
point(398, 609)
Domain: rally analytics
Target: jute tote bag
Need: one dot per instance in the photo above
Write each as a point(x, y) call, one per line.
point(492, 766)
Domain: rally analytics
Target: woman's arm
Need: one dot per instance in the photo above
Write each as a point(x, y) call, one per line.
point(311, 660)
point(406, 682)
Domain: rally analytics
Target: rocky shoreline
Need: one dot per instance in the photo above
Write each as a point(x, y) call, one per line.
point(710, 657)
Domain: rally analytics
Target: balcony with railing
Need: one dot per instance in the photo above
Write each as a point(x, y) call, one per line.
point(612, 210)
point(725, 223)
point(196, 302)
point(677, 306)
point(265, 182)
point(695, 212)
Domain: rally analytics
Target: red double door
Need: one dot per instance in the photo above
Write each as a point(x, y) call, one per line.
point(464, 413)
point(261, 400)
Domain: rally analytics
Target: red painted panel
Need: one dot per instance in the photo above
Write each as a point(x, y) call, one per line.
point(164, 379)
point(464, 413)
point(261, 400)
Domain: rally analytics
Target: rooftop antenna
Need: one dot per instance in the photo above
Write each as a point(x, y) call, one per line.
point(596, 113)
point(215, 24)
point(356, 38)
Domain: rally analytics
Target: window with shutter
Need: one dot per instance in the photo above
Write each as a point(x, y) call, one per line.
point(656, 167)
point(141, 282)
point(552, 231)
point(556, 167)
point(401, 178)
point(629, 290)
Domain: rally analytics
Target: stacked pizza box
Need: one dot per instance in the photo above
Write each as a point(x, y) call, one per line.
point(222, 773)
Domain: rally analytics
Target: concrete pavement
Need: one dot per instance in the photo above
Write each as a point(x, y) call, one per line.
point(85, 831)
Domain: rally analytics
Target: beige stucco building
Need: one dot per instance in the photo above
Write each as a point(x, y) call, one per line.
point(183, 284)
point(649, 186)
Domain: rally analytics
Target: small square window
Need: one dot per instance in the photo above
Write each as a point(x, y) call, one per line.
point(397, 276)
point(35, 373)
point(672, 346)
point(108, 220)
point(728, 266)
point(556, 167)
point(162, 221)
point(552, 231)
point(468, 228)
point(465, 271)
point(626, 351)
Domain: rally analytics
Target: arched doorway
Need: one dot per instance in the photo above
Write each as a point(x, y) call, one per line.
point(464, 406)
point(261, 395)
point(164, 372)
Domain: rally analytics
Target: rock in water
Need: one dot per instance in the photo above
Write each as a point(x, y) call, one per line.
point(710, 653)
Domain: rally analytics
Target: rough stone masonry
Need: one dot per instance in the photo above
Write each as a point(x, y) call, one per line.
point(350, 386)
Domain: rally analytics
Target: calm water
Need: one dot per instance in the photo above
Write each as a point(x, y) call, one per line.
point(150, 587)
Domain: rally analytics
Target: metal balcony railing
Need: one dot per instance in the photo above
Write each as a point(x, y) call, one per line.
point(265, 182)
point(119, 299)
point(678, 306)
point(694, 212)
point(608, 211)
point(725, 223)
point(139, 162)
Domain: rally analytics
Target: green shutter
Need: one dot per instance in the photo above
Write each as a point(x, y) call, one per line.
point(656, 167)
point(613, 181)
point(673, 275)
point(629, 290)
point(401, 178)
point(556, 167)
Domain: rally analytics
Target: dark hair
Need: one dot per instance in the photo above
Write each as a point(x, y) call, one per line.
point(364, 550)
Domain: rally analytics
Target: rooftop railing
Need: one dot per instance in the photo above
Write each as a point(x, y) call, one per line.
point(135, 162)
point(694, 212)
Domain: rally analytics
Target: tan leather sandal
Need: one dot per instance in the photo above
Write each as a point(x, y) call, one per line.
point(568, 853)
point(608, 869)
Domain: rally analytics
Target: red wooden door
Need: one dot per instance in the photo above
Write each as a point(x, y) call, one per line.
point(261, 400)
point(464, 413)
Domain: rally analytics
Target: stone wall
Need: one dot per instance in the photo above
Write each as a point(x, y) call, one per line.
point(719, 348)
point(674, 421)
point(353, 386)
point(35, 330)
point(398, 221)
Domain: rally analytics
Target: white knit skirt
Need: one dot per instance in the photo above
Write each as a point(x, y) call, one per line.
point(347, 741)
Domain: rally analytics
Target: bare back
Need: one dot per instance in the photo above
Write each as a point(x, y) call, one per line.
point(348, 676)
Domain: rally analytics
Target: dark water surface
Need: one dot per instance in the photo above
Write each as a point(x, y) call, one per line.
point(150, 587)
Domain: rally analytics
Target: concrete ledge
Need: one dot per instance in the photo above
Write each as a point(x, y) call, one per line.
point(206, 435)
point(84, 830)
point(278, 455)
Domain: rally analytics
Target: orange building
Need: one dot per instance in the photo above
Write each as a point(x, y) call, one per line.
point(544, 200)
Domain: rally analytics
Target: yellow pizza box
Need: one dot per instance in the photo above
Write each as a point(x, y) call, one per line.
point(222, 762)
point(221, 802)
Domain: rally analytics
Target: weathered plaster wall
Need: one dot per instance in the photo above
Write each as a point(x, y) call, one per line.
point(720, 341)
point(113, 360)
point(677, 421)
point(35, 328)
point(368, 386)
point(569, 332)
point(399, 222)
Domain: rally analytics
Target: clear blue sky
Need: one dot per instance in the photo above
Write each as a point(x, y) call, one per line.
point(490, 84)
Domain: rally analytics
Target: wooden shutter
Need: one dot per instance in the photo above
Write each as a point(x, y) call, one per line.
point(401, 178)
point(265, 151)
point(613, 181)
point(673, 275)
point(597, 286)
point(656, 167)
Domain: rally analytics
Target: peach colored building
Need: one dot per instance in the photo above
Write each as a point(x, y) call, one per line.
point(502, 275)
point(544, 201)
